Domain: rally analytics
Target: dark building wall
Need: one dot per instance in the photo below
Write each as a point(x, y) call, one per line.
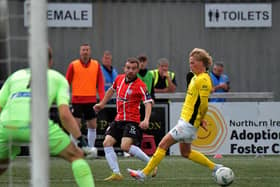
point(168, 29)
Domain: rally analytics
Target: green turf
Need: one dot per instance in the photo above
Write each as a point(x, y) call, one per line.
point(173, 171)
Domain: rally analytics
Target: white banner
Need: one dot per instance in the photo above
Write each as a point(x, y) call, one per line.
point(239, 128)
point(64, 14)
point(238, 15)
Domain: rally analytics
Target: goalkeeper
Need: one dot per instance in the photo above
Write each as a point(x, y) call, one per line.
point(15, 97)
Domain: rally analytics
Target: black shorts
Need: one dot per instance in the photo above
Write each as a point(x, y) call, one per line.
point(120, 129)
point(84, 111)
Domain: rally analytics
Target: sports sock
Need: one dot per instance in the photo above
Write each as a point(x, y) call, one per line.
point(82, 173)
point(138, 153)
point(112, 159)
point(73, 139)
point(91, 135)
point(201, 159)
point(154, 161)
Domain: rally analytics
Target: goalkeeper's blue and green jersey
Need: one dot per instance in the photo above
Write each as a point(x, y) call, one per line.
point(15, 96)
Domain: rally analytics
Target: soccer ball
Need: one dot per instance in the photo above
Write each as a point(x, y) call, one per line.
point(224, 176)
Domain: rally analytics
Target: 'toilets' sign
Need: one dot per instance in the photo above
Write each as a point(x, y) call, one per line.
point(238, 15)
point(64, 14)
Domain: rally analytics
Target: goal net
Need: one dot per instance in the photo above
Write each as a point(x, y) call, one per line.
point(10, 61)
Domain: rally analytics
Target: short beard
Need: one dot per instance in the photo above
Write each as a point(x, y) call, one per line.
point(85, 60)
point(127, 79)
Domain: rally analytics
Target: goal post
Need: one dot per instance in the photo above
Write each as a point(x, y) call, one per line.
point(39, 101)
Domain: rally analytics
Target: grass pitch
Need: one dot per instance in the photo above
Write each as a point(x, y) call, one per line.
point(250, 171)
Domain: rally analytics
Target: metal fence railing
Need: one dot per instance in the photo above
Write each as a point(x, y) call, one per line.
point(229, 96)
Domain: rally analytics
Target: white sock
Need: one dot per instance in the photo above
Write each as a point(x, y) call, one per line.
point(91, 135)
point(137, 152)
point(73, 139)
point(112, 159)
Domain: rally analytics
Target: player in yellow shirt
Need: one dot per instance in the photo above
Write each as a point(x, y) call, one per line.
point(192, 117)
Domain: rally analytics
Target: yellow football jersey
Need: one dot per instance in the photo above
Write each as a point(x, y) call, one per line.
point(196, 100)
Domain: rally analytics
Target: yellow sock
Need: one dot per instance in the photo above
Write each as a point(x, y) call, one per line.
point(154, 161)
point(201, 159)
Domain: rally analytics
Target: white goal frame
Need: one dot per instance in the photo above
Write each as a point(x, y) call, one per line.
point(38, 59)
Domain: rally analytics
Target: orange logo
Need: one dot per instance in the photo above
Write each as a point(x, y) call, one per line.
point(209, 141)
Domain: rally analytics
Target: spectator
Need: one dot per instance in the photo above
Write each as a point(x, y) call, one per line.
point(145, 75)
point(220, 81)
point(86, 78)
point(126, 128)
point(164, 80)
point(15, 122)
point(109, 72)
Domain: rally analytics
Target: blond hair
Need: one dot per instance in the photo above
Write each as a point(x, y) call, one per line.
point(202, 55)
